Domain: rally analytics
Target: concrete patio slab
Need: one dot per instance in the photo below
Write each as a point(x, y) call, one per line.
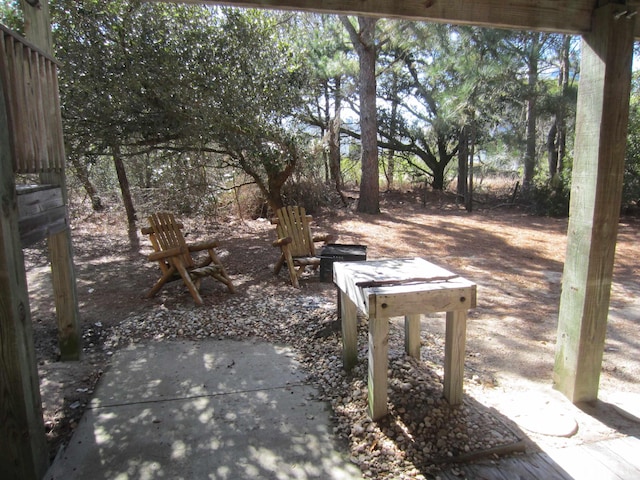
point(204, 410)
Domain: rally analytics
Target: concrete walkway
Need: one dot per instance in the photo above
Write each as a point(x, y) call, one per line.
point(204, 410)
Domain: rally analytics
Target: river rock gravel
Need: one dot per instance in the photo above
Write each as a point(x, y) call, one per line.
point(421, 434)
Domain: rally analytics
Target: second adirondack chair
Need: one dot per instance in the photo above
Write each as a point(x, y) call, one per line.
point(297, 245)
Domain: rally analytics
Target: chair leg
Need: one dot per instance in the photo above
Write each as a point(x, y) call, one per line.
point(156, 288)
point(223, 276)
point(189, 283)
point(225, 280)
point(278, 266)
point(293, 274)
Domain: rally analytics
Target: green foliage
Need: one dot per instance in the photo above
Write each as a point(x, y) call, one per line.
point(11, 15)
point(200, 100)
point(631, 186)
point(550, 198)
point(180, 89)
point(310, 194)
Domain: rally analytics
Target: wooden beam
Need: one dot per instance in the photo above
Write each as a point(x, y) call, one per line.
point(596, 188)
point(23, 448)
point(568, 16)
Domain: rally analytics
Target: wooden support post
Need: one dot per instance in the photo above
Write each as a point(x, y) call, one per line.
point(66, 299)
point(378, 366)
point(412, 335)
point(38, 32)
point(349, 319)
point(601, 128)
point(454, 347)
point(23, 447)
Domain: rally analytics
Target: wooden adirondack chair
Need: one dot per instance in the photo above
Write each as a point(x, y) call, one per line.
point(173, 255)
point(296, 243)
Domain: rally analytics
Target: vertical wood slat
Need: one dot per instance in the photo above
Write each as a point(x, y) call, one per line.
point(34, 112)
point(33, 104)
point(13, 91)
point(23, 123)
point(56, 134)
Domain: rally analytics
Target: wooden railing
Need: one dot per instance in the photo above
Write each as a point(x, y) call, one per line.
point(30, 83)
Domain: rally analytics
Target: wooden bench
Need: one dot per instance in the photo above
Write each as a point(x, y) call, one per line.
point(403, 287)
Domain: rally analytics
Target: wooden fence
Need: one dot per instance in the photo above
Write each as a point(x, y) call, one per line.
point(30, 84)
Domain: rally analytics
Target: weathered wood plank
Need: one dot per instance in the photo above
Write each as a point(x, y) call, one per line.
point(455, 342)
point(596, 188)
point(41, 212)
point(34, 117)
point(23, 448)
point(35, 199)
point(412, 335)
point(628, 448)
point(580, 464)
point(393, 302)
point(584, 462)
point(614, 461)
point(390, 300)
point(348, 315)
point(545, 15)
point(66, 298)
point(41, 226)
point(378, 365)
point(37, 24)
point(539, 466)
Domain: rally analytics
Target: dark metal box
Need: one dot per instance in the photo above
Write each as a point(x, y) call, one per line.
point(337, 252)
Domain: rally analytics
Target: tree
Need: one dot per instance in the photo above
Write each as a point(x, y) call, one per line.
point(561, 103)
point(631, 186)
point(363, 41)
point(222, 84)
point(433, 82)
point(333, 72)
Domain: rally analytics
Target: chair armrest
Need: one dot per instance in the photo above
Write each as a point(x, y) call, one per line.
point(205, 245)
point(172, 252)
point(282, 241)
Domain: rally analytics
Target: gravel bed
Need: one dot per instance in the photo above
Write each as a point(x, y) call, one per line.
point(421, 435)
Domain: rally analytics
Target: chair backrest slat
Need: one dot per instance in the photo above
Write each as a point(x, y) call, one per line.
point(169, 235)
point(293, 222)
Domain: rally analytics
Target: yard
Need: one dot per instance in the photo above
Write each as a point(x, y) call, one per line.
point(515, 258)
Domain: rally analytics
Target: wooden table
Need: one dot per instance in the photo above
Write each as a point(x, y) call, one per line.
point(402, 287)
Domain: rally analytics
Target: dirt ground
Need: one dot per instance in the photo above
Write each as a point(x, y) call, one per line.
point(515, 258)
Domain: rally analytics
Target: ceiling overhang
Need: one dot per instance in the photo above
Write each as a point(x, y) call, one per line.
point(562, 16)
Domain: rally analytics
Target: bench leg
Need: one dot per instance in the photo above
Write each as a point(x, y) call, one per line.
point(378, 365)
point(455, 339)
point(412, 335)
point(349, 331)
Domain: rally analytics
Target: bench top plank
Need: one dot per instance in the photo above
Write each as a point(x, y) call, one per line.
point(403, 286)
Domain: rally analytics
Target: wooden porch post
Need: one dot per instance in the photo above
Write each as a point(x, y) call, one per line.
point(23, 448)
point(596, 188)
point(38, 32)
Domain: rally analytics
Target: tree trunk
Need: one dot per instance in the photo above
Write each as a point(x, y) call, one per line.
point(463, 159)
point(391, 154)
point(82, 172)
point(334, 140)
point(530, 154)
point(126, 197)
point(364, 43)
point(438, 177)
point(326, 123)
point(562, 121)
point(552, 150)
point(468, 200)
